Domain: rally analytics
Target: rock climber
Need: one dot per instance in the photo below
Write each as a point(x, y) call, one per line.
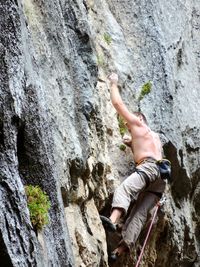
point(145, 185)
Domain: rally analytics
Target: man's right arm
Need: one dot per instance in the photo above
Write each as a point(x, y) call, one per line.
point(119, 104)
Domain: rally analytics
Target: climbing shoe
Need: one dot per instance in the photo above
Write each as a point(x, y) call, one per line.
point(113, 257)
point(121, 250)
point(107, 224)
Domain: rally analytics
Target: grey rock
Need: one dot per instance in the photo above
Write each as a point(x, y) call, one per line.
point(59, 130)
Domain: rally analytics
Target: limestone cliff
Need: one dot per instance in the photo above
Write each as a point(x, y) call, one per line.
point(59, 130)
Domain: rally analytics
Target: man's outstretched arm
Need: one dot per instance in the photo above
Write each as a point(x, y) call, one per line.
point(118, 103)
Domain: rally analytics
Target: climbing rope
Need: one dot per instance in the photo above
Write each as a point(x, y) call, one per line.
point(158, 205)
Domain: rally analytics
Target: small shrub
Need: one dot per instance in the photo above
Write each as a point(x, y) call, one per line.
point(100, 61)
point(122, 125)
point(38, 204)
point(122, 147)
point(146, 89)
point(107, 38)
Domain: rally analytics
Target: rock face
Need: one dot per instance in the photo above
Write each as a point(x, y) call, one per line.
point(59, 130)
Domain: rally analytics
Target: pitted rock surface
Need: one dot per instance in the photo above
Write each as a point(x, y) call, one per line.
point(59, 130)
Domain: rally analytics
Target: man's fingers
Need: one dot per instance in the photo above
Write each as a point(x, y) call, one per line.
point(113, 77)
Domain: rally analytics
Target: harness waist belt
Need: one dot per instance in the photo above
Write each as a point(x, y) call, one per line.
point(145, 159)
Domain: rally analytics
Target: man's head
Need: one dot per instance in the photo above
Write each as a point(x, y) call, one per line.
point(141, 116)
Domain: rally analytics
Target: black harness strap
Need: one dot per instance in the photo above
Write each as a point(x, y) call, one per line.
point(158, 194)
point(145, 176)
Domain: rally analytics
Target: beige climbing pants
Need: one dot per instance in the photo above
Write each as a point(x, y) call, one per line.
point(144, 185)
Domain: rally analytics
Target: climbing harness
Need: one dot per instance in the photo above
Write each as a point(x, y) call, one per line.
point(164, 166)
point(158, 205)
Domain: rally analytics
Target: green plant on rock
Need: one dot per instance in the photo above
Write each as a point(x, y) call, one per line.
point(122, 125)
point(146, 89)
point(122, 147)
point(39, 205)
point(107, 38)
point(101, 61)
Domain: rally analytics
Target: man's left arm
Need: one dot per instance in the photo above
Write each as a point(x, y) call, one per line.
point(127, 140)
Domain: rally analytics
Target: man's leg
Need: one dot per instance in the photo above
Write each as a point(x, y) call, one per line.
point(145, 202)
point(133, 226)
point(138, 217)
point(125, 193)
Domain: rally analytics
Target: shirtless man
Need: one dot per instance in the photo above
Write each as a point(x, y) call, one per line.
point(145, 184)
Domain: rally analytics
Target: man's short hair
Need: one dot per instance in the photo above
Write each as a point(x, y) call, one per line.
point(138, 113)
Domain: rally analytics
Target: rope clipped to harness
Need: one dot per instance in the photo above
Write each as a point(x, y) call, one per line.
point(158, 205)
